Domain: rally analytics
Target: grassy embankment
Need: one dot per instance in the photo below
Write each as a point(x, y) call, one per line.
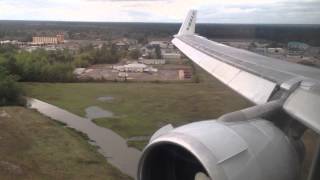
point(35, 147)
point(141, 108)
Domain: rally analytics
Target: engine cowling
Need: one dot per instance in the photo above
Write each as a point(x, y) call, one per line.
point(243, 150)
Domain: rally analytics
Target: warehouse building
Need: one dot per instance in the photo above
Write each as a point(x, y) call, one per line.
point(135, 67)
point(153, 61)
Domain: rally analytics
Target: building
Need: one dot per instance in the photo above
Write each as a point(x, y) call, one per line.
point(123, 75)
point(184, 74)
point(153, 61)
point(122, 46)
point(297, 48)
point(135, 67)
point(58, 39)
point(79, 71)
point(30, 48)
point(171, 55)
point(8, 42)
point(147, 52)
point(13, 42)
point(161, 44)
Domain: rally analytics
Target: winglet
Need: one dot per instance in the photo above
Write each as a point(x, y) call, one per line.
point(189, 25)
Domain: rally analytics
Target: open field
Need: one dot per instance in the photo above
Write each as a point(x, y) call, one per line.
point(141, 108)
point(35, 147)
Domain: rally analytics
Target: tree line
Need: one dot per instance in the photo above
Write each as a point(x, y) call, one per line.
point(24, 30)
point(41, 65)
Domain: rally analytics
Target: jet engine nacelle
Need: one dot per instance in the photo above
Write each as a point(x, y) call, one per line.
point(243, 150)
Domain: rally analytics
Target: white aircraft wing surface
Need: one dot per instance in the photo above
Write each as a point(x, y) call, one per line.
point(258, 78)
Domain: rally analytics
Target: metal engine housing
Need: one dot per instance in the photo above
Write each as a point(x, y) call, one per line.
point(243, 150)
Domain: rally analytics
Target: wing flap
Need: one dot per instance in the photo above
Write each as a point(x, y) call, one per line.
point(254, 88)
point(304, 103)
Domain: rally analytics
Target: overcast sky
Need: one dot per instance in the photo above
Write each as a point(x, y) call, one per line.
point(210, 11)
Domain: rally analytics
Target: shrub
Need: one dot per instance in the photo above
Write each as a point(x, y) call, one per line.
point(10, 91)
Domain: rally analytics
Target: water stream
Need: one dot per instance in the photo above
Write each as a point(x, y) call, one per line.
point(110, 144)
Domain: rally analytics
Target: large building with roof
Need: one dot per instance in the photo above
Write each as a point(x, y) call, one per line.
point(42, 40)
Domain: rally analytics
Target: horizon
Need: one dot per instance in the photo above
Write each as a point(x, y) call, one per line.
point(173, 23)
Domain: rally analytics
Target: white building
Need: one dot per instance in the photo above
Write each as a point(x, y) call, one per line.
point(171, 55)
point(123, 75)
point(153, 61)
point(135, 67)
point(150, 69)
point(31, 48)
point(79, 71)
point(13, 42)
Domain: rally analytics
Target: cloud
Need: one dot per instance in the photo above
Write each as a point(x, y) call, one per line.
point(125, 0)
point(212, 11)
point(281, 11)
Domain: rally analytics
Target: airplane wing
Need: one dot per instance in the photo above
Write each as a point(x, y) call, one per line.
point(258, 78)
point(261, 142)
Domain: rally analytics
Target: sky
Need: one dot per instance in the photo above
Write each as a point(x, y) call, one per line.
point(209, 11)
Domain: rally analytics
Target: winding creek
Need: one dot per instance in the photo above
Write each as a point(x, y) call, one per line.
point(110, 144)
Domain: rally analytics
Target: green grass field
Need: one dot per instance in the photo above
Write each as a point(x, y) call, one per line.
point(141, 108)
point(36, 147)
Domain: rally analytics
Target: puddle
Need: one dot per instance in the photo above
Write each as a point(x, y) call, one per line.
point(110, 144)
point(95, 112)
point(105, 98)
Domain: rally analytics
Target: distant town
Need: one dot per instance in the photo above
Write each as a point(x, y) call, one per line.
point(155, 58)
